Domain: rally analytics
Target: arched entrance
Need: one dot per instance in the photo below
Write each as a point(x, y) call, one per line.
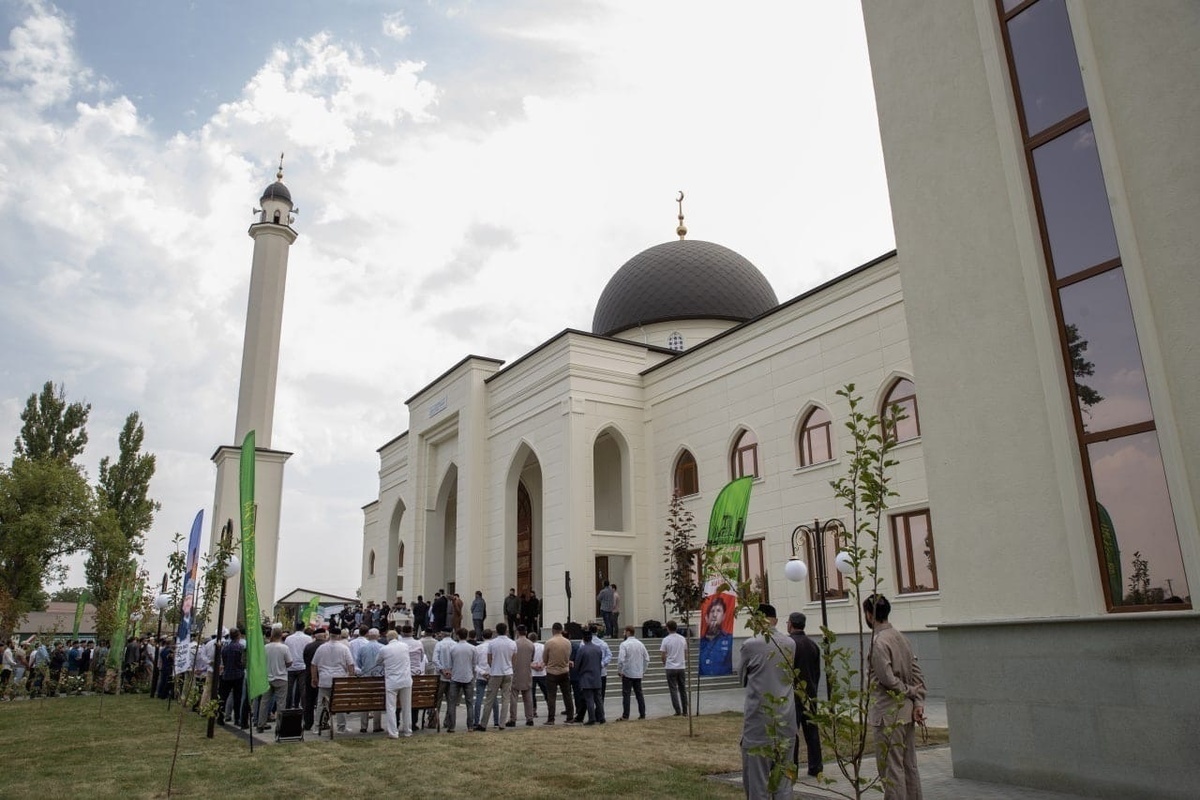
point(524, 540)
point(441, 538)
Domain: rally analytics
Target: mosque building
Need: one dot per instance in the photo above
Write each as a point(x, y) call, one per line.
point(1036, 323)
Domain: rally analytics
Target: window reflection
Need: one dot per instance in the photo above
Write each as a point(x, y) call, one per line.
point(906, 424)
point(687, 479)
point(1048, 74)
point(1140, 542)
point(816, 438)
point(744, 458)
point(912, 544)
point(1074, 202)
point(1106, 360)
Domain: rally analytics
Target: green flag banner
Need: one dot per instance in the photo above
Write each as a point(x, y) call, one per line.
point(256, 653)
point(83, 598)
point(726, 528)
point(116, 650)
point(310, 611)
point(1112, 554)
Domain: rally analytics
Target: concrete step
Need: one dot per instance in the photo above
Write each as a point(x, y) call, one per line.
point(655, 680)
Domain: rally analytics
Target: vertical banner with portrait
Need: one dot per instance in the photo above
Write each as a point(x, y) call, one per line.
point(187, 598)
point(726, 529)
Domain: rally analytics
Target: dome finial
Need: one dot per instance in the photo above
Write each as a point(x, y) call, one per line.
point(682, 229)
point(279, 174)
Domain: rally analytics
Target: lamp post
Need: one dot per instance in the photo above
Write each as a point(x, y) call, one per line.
point(231, 569)
point(160, 604)
point(797, 571)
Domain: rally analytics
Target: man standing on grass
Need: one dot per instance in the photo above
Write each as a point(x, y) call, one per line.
point(557, 657)
point(895, 669)
point(632, 662)
point(673, 652)
point(522, 683)
point(396, 662)
point(462, 681)
point(770, 714)
point(588, 661)
point(233, 673)
point(501, 651)
point(332, 660)
point(366, 663)
point(295, 643)
point(279, 660)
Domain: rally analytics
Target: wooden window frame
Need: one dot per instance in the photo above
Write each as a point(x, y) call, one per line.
point(738, 456)
point(758, 543)
point(681, 467)
point(905, 557)
point(807, 431)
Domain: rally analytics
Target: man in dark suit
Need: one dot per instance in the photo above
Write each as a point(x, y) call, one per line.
point(807, 665)
point(588, 662)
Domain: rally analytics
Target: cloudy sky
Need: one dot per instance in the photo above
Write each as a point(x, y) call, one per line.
point(469, 175)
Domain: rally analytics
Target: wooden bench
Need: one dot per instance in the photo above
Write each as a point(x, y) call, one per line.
point(356, 694)
point(425, 698)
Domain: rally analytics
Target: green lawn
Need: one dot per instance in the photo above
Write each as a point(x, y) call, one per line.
point(74, 746)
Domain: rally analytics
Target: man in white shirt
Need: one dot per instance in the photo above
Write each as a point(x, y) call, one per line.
point(295, 643)
point(332, 660)
point(673, 652)
point(203, 670)
point(632, 662)
point(501, 651)
point(279, 660)
point(539, 671)
point(481, 681)
point(441, 662)
point(397, 681)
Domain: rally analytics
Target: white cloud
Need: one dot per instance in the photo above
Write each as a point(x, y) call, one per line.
point(429, 226)
point(394, 26)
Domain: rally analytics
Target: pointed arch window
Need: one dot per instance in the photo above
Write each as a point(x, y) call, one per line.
point(906, 424)
point(816, 438)
point(743, 459)
point(687, 477)
point(401, 557)
point(371, 564)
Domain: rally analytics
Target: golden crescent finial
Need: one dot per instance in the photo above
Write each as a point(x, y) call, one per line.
point(682, 229)
point(279, 174)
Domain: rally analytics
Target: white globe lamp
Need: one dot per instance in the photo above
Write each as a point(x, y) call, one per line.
point(232, 567)
point(796, 570)
point(162, 602)
point(844, 563)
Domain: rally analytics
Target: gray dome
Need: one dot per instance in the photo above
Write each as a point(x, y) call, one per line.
point(276, 191)
point(686, 279)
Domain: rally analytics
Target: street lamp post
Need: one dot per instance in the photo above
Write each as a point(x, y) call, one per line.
point(797, 571)
point(160, 603)
point(231, 568)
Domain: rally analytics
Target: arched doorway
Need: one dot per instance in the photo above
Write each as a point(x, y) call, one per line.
point(524, 540)
point(441, 538)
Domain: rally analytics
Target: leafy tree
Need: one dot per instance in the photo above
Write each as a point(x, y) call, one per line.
point(682, 591)
point(1082, 368)
point(68, 594)
point(128, 512)
point(46, 513)
point(51, 427)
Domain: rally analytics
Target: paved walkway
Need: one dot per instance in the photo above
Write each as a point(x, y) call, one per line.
point(937, 775)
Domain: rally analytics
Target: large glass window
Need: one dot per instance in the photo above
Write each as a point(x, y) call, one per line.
point(1047, 68)
point(835, 588)
point(904, 424)
point(744, 458)
point(687, 479)
point(754, 567)
point(912, 546)
point(816, 438)
point(1074, 203)
point(1133, 520)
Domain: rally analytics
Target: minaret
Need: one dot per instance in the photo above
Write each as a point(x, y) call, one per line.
point(273, 236)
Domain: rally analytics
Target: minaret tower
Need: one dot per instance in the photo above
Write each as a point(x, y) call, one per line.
point(273, 237)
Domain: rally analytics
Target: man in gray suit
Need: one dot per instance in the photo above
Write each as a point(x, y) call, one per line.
point(588, 662)
point(767, 670)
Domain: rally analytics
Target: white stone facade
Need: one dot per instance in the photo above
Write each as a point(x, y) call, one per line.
point(592, 426)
